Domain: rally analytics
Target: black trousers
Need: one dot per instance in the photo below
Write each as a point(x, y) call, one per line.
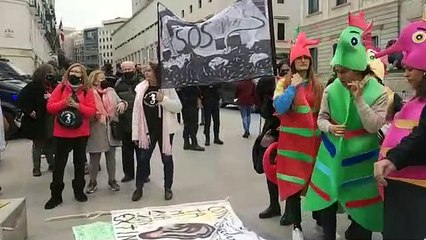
point(404, 211)
point(128, 151)
point(143, 167)
point(329, 223)
point(209, 113)
point(63, 148)
point(190, 121)
point(273, 195)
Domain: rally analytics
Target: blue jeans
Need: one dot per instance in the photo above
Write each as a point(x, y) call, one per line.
point(246, 117)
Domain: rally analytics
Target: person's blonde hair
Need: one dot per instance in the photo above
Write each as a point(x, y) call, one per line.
point(93, 76)
point(84, 78)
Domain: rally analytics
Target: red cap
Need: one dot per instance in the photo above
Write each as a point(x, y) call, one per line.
point(301, 47)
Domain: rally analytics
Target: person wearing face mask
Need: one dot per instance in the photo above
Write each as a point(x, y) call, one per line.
point(154, 121)
point(296, 100)
point(353, 109)
point(103, 138)
point(73, 105)
point(125, 88)
point(32, 101)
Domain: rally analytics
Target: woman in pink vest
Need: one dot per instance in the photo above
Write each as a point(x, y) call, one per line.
point(403, 146)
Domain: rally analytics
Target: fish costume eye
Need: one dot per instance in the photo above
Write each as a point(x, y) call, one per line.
point(419, 37)
point(354, 41)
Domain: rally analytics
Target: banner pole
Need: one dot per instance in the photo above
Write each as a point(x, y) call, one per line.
point(158, 42)
point(272, 33)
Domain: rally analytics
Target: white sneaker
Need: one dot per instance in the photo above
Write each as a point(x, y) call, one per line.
point(297, 234)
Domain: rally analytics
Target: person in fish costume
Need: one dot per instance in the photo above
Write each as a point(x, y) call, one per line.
point(378, 67)
point(412, 179)
point(296, 100)
point(353, 109)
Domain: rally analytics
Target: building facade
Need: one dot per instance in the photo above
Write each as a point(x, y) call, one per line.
point(136, 40)
point(28, 35)
point(78, 47)
point(68, 45)
point(91, 47)
point(105, 39)
point(325, 19)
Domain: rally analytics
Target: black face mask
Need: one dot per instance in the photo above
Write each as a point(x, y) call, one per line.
point(50, 77)
point(74, 80)
point(104, 84)
point(129, 75)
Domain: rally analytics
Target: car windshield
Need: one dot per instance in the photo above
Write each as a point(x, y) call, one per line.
point(8, 71)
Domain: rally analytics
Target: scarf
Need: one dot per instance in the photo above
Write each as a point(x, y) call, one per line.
point(109, 101)
point(144, 141)
point(101, 113)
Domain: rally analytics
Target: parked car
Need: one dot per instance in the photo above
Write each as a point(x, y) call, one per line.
point(227, 94)
point(11, 84)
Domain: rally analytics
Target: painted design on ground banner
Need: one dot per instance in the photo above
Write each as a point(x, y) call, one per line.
point(198, 221)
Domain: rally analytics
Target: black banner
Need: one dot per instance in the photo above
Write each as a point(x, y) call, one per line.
point(231, 46)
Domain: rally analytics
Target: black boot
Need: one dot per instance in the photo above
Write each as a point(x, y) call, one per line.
point(186, 144)
point(218, 141)
point(207, 140)
point(168, 194)
point(196, 147)
point(269, 213)
point(137, 194)
point(79, 191)
point(56, 198)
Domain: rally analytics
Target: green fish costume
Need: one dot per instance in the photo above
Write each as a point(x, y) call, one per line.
point(343, 171)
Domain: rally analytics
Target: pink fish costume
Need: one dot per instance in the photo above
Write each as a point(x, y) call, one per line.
point(412, 42)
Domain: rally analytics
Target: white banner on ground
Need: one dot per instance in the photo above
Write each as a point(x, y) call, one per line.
point(205, 220)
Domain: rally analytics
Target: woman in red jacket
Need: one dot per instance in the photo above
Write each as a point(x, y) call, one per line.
point(73, 105)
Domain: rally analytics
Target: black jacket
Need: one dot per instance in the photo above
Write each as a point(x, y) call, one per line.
point(125, 89)
point(210, 95)
point(189, 96)
point(31, 98)
point(410, 151)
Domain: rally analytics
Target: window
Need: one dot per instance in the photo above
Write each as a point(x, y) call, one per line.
point(281, 31)
point(210, 0)
point(183, 13)
point(190, 8)
point(280, 1)
point(340, 2)
point(313, 6)
point(376, 41)
point(200, 3)
point(334, 48)
point(314, 54)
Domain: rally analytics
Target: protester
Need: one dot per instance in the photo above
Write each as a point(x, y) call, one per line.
point(154, 121)
point(109, 74)
point(245, 94)
point(353, 109)
point(103, 137)
point(36, 122)
point(401, 153)
point(297, 99)
point(265, 90)
point(211, 109)
point(189, 97)
point(73, 105)
point(125, 88)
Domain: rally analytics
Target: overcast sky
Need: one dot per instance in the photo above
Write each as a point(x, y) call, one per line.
point(86, 13)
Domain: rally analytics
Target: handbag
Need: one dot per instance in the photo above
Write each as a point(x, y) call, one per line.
point(115, 130)
point(267, 139)
point(70, 117)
